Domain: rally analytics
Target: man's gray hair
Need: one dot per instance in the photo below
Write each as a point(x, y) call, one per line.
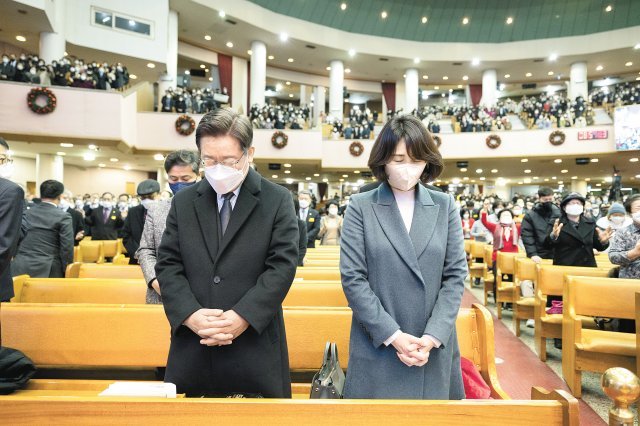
point(225, 121)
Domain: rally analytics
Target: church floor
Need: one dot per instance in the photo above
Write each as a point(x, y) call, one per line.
point(519, 367)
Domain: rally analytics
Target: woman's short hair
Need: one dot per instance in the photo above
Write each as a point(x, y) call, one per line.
point(420, 146)
point(225, 121)
point(182, 157)
point(503, 211)
point(630, 200)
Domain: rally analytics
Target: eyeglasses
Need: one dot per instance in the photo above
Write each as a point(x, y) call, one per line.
point(210, 162)
point(5, 160)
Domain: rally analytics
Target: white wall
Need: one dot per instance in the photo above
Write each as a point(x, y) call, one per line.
point(81, 31)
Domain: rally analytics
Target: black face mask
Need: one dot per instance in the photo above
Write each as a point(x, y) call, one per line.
point(546, 205)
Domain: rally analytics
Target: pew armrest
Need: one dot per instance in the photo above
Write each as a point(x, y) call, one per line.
point(570, 405)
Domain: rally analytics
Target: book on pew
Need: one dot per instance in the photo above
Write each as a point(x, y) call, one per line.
point(141, 389)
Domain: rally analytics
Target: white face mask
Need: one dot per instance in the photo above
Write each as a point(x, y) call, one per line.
point(63, 205)
point(225, 179)
point(636, 217)
point(333, 211)
point(147, 203)
point(616, 220)
point(517, 212)
point(6, 171)
point(574, 209)
point(404, 177)
point(506, 220)
point(107, 204)
point(304, 204)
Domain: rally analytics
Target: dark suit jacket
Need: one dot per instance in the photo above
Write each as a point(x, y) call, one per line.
point(48, 247)
point(77, 223)
point(302, 244)
point(11, 207)
point(313, 226)
point(574, 247)
point(101, 230)
point(132, 231)
point(248, 270)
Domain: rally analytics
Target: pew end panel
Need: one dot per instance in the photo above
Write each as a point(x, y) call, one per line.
point(571, 406)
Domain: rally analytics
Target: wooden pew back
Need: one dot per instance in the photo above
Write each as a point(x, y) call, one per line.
point(81, 290)
point(318, 273)
point(91, 251)
point(602, 297)
point(329, 294)
point(90, 270)
point(550, 278)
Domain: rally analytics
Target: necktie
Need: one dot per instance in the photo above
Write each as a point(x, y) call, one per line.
point(106, 215)
point(225, 212)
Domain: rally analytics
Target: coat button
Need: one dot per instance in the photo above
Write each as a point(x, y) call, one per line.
point(216, 280)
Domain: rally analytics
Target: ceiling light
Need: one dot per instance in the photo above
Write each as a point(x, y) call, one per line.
point(287, 165)
point(328, 68)
point(341, 180)
point(151, 65)
point(207, 37)
point(158, 157)
point(633, 160)
point(478, 170)
point(290, 60)
point(424, 20)
point(92, 147)
point(416, 60)
point(553, 57)
point(222, 14)
point(598, 184)
point(352, 52)
point(425, 77)
point(594, 160)
point(384, 15)
point(187, 72)
point(599, 68)
point(102, 165)
point(546, 180)
point(507, 75)
point(288, 83)
point(482, 178)
point(66, 145)
point(274, 176)
point(436, 87)
point(316, 174)
point(637, 46)
point(475, 62)
point(229, 44)
point(509, 20)
point(284, 37)
point(291, 95)
point(628, 64)
point(325, 180)
point(347, 70)
point(557, 161)
point(89, 156)
point(343, 6)
point(464, 169)
point(443, 95)
point(459, 86)
point(308, 178)
point(524, 160)
point(550, 73)
point(356, 172)
point(465, 77)
point(61, 153)
point(286, 172)
point(574, 177)
point(210, 78)
point(608, 179)
point(564, 171)
point(127, 167)
point(278, 87)
point(203, 66)
point(587, 179)
point(249, 52)
point(465, 20)
point(113, 160)
point(404, 76)
point(271, 57)
point(527, 171)
point(465, 178)
point(445, 77)
point(528, 74)
point(609, 8)
point(133, 76)
point(553, 178)
point(21, 38)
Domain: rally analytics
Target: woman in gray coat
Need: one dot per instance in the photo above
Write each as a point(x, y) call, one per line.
point(403, 268)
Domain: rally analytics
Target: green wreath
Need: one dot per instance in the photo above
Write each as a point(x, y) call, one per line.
point(38, 93)
point(185, 125)
point(279, 139)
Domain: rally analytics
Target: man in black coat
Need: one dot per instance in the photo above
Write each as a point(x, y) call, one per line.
point(310, 216)
point(148, 190)
point(105, 221)
point(537, 225)
point(226, 262)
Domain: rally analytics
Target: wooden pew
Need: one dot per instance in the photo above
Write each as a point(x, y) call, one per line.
point(596, 350)
point(318, 273)
point(525, 269)
point(90, 251)
point(321, 263)
point(138, 336)
point(550, 282)
point(477, 269)
point(638, 334)
point(506, 290)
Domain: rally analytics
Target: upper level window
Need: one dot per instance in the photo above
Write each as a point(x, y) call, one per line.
point(121, 22)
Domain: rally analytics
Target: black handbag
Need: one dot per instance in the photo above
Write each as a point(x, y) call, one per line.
point(328, 383)
point(15, 370)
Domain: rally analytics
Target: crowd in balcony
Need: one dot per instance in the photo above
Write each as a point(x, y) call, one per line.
point(279, 116)
point(190, 100)
point(620, 94)
point(68, 71)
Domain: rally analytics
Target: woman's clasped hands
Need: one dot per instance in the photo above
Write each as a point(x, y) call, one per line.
point(413, 351)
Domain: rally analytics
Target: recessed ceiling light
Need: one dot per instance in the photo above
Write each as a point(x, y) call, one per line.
point(464, 169)
point(325, 180)
point(356, 172)
point(465, 178)
point(546, 180)
point(127, 167)
point(210, 78)
point(222, 14)
point(114, 160)
point(628, 64)
point(158, 157)
point(271, 57)
point(288, 83)
point(528, 74)
point(345, 176)
point(587, 179)
point(436, 87)
point(341, 180)
point(308, 178)
point(465, 20)
point(465, 77)
point(459, 86)
point(509, 20)
point(291, 95)
point(445, 77)
point(21, 38)
point(527, 171)
point(524, 160)
point(594, 160)
point(347, 70)
point(599, 68)
point(637, 46)
point(574, 177)
point(187, 72)
point(203, 66)
point(494, 170)
point(507, 75)
point(553, 178)
point(66, 145)
point(287, 165)
point(207, 37)
point(553, 57)
point(609, 8)
point(425, 77)
point(92, 147)
point(283, 37)
point(343, 6)
point(416, 60)
point(564, 171)
point(286, 172)
point(151, 65)
point(290, 60)
point(633, 160)
point(133, 76)
point(352, 52)
point(384, 14)
point(328, 68)
point(206, 70)
point(278, 87)
point(61, 153)
point(229, 44)
point(424, 20)
point(101, 165)
point(478, 170)
point(475, 62)
point(316, 174)
point(89, 156)
point(482, 178)
point(557, 161)
point(274, 176)
point(249, 52)
point(550, 73)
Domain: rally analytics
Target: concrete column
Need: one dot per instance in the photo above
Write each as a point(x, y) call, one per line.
point(579, 186)
point(578, 81)
point(319, 101)
point(49, 167)
point(411, 90)
point(258, 72)
point(170, 77)
point(303, 95)
point(239, 84)
point(162, 179)
point(52, 44)
point(467, 95)
point(489, 88)
point(336, 82)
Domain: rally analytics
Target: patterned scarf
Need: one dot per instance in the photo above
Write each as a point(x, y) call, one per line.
point(498, 243)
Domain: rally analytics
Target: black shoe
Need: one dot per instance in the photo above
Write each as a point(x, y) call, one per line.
point(477, 281)
point(557, 343)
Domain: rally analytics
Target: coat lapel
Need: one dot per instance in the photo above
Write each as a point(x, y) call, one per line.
point(571, 230)
point(424, 220)
point(388, 215)
point(247, 202)
point(206, 207)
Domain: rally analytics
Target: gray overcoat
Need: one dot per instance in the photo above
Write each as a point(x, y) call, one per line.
point(412, 282)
